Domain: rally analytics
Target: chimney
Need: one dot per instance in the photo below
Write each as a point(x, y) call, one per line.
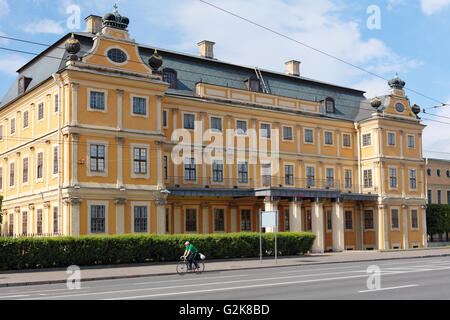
point(94, 24)
point(206, 49)
point(293, 68)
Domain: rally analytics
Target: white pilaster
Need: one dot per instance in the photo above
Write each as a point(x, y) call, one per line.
point(295, 216)
point(317, 226)
point(337, 224)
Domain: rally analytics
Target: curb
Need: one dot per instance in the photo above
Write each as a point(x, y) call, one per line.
point(30, 283)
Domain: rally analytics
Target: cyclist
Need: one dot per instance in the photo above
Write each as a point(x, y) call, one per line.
point(191, 254)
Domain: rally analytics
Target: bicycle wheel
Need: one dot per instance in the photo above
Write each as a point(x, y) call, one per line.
point(182, 268)
point(201, 267)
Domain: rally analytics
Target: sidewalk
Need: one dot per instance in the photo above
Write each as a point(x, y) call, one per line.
point(47, 276)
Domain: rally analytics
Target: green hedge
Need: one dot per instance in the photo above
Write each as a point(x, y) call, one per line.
point(31, 253)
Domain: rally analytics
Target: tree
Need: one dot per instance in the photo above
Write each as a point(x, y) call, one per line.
point(438, 219)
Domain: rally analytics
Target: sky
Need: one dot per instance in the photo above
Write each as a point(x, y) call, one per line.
point(384, 37)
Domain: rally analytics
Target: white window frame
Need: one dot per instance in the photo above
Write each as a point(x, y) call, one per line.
point(409, 179)
point(23, 119)
point(40, 180)
point(396, 176)
point(292, 134)
point(388, 133)
point(362, 139)
point(350, 139)
point(399, 218)
point(183, 113)
point(245, 134)
point(410, 218)
point(351, 170)
point(132, 173)
point(91, 203)
point(54, 102)
point(293, 173)
point(243, 161)
point(196, 169)
point(55, 175)
point(334, 176)
point(260, 130)
point(28, 178)
point(12, 187)
point(371, 174)
point(214, 130)
point(121, 49)
point(306, 176)
point(15, 126)
point(332, 138)
point(90, 173)
point(219, 161)
point(147, 109)
point(37, 111)
point(407, 141)
point(88, 103)
point(304, 135)
point(140, 204)
point(167, 118)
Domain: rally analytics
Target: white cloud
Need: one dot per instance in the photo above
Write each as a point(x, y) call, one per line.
point(320, 24)
point(437, 135)
point(10, 63)
point(4, 8)
point(430, 7)
point(44, 26)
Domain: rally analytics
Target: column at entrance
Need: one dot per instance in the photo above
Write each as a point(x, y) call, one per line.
point(317, 225)
point(120, 215)
point(337, 224)
point(176, 217)
point(295, 215)
point(161, 215)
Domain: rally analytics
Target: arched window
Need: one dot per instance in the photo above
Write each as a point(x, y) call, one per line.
point(329, 105)
point(438, 172)
point(170, 76)
point(429, 172)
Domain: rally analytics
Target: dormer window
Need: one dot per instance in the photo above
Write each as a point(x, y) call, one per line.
point(253, 84)
point(329, 105)
point(170, 76)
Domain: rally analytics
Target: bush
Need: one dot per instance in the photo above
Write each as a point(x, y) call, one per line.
point(32, 253)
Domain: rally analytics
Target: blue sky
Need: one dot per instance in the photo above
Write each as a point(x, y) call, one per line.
point(412, 39)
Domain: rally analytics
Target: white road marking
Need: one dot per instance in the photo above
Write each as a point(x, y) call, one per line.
point(391, 288)
point(15, 296)
point(318, 269)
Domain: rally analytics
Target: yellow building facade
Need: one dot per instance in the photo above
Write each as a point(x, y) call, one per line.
point(115, 137)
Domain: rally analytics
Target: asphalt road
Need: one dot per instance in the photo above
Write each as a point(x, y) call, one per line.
point(421, 278)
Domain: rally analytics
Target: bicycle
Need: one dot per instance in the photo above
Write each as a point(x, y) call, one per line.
point(183, 266)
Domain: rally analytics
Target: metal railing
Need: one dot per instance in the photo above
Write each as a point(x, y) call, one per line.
point(36, 235)
point(209, 182)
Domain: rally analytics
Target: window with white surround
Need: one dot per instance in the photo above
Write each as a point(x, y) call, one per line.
point(414, 219)
point(412, 179)
point(395, 219)
point(243, 172)
point(393, 180)
point(289, 174)
point(55, 160)
point(189, 121)
point(411, 141)
point(11, 175)
point(308, 135)
point(346, 140)
point(310, 176)
point(25, 119)
point(11, 225)
point(39, 222)
point(391, 138)
point(140, 106)
point(287, 134)
point(140, 160)
point(328, 138)
point(97, 158)
point(98, 216)
point(368, 219)
point(24, 223)
point(241, 127)
point(25, 170)
point(329, 172)
point(40, 166)
point(216, 124)
point(367, 178)
point(56, 104)
point(1, 178)
point(348, 178)
point(190, 169)
point(140, 219)
point(55, 220)
point(40, 111)
point(12, 126)
point(265, 130)
point(97, 100)
point(366, 139)
point(217, 171)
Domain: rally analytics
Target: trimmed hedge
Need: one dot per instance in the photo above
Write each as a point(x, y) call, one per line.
point(33, 253)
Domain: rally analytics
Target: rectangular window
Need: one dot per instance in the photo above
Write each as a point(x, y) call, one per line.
point(189, 121)
point(167, 220)
point(367, 139)
point(219, 220)
point(56, 103)
point(166, 168)
point(217, 168)
point(11, 174)
point(243, 172)
point(393, 177)
point(368, 178)
point(348, 220)
point(328, 138)
point(430, 196)
point(25, 118)
point(25, 170)
point(448, 193)
point(286, 220)
point(241, 127)
point(140, 160)
point(216, 124)
point(39, 222)
point(310, 177)
point(97, 219)
point(309, 135)
point(394, 219)
point(414, 219)
point(191, 220)
point(1, 132)
point(55, 160)
point(55, 221)
point(266, 176)
point(140, 219)
point(97, 100)
point(97, 158)
point(139, 105)
point(190, 170)
point(346, 140)
point(412, 179)
point(11, 225)
point(329, 221)
point(265, 130)
point(330, 177)
point(164, 119)
point(40, 165)
point(348, 179)
point(40, 111)
point(439, 197)
point(411, 141)
point(13, 125)
point(287, 133)
point(246, 220)
point(24, 223)
point(391, 138)
point(289, 174)
point(368, 219)
point(308, 220)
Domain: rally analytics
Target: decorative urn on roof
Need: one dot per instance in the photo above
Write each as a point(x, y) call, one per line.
point(397, 83)
point(155, 61)
point(375, 103)
point(115, 20)
point(415, 109)
point(73, 46)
